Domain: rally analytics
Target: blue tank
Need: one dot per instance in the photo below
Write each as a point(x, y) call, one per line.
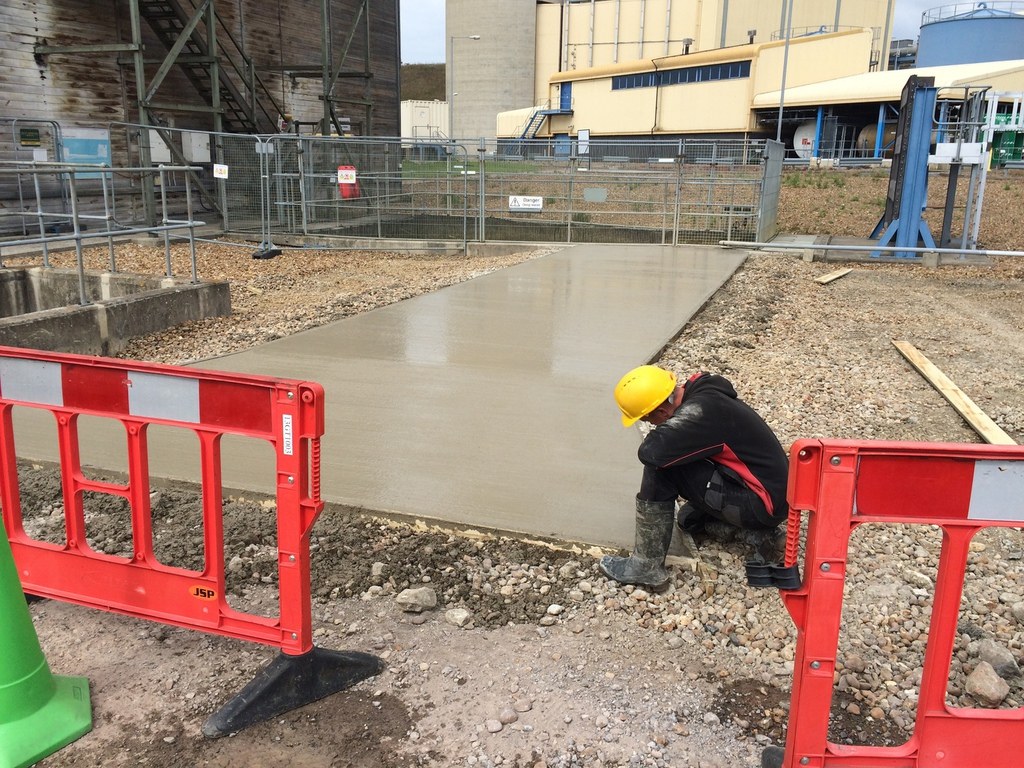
point(967, 33)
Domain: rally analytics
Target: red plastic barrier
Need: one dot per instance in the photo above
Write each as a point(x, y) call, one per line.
point(348, 183)
point(289, 415)
point(842, 484)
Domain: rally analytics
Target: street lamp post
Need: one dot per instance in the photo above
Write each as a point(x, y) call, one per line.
point(785, 63)
point(451, 81)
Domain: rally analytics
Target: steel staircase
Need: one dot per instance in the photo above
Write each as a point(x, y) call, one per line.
point(532, 127)
point(254, 111)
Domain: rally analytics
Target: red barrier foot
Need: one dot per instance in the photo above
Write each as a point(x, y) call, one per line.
point(289, 682)
point(760, 574)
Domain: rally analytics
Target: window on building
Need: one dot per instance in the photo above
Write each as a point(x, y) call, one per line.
point(728, 71)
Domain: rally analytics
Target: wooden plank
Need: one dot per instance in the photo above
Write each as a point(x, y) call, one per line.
point(825, 279)
point(973, 415)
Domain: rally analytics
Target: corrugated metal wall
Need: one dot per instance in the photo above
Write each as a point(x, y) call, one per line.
point(278, 36)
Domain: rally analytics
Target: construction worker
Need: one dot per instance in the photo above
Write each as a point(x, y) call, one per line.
point(710, 448)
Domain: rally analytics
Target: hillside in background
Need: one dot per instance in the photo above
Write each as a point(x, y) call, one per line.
point(423, 82)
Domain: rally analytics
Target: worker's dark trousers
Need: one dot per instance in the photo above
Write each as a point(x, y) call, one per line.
point(712, 491)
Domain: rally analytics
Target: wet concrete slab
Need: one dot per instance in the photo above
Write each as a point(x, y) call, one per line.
point(487, 403)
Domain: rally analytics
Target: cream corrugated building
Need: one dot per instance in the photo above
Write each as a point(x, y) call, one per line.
point(503, 55)
point(708, 93)
point(830, 107)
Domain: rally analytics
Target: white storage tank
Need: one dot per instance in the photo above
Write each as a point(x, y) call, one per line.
point(803, 139)
point(868, 137)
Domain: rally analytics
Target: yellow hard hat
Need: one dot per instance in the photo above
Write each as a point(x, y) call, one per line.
point(642, 390)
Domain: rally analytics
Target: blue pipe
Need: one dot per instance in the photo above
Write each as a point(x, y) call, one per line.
point(816, 152)
point(881, 130)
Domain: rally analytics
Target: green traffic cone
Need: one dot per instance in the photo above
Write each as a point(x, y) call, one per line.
point(39, 712)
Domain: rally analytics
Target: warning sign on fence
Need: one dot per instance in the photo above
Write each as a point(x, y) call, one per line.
point(525, 203)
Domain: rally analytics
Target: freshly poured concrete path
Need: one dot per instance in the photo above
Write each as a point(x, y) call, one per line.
point(490, 402)
point(486, 403)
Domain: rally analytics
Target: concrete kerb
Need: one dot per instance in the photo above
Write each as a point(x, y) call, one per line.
point(445, 247)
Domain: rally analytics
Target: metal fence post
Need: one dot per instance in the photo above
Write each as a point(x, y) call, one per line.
point(679, 193)
point(77, 229)
point(222, 185)
point(465, 196)
point(165, 220)
point(569, 202)
point(108, 217)
point(39, 213)
point(266, 247)
point(481, 175)
point(300, 162)
point(191, 231)
point(376, 195)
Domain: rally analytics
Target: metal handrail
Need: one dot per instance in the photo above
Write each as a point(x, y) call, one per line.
point(867, 247)
point(78, 235)
point(943, 12)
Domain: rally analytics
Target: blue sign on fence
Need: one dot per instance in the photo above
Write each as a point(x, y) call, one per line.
point(90, 146)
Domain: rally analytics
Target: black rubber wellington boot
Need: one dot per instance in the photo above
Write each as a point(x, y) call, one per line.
point(646, 566)
point(769, 544)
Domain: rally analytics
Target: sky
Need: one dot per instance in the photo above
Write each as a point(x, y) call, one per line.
point(907, 17)
point(422, 31)
point(423, 38)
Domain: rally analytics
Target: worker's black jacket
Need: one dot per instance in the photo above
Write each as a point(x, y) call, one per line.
point(712, 423)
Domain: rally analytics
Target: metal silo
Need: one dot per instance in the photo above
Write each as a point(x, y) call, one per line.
point(966, 33)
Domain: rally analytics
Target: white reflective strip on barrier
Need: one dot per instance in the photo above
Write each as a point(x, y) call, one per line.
point(32, 381)
point(998, 491)
point(155, 396)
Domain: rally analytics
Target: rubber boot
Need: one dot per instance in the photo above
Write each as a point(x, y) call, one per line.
point(768, 544)
point(689, 519)
point(646, 566)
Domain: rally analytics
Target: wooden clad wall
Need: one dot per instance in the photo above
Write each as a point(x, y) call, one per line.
point(96, 89)
point(78, 90)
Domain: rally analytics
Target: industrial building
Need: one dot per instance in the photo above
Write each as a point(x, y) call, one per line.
point(502, 54)
point(855, 117)
point(707, 93)
point(821, 93)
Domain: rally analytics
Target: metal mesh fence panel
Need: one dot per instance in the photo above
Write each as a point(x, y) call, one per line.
point(639, 192)
point(551, 190)
point(132, 194)
point(642, 192)
point(243, 192)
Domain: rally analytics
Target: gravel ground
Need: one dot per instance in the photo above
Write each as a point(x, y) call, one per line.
point(530, 657)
